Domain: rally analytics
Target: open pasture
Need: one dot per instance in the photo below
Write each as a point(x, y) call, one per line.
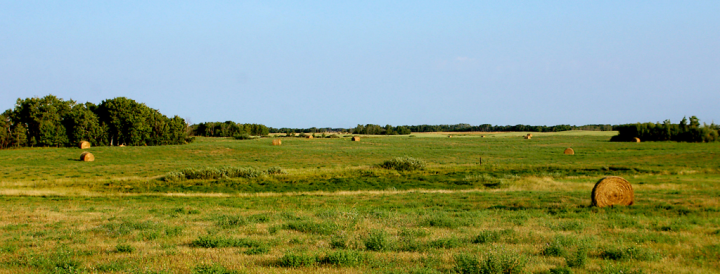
point(525, 208)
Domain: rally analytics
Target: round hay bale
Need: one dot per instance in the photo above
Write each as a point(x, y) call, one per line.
point(87, 157)
point(449, 136)
point(637, 140)
point(84, 144)
point(612, 191)
point(355, 139)
point(310, 137)
point(483, 136)
point(527, 137)
point(122, 145)
point(276, 142)
point(569, 151)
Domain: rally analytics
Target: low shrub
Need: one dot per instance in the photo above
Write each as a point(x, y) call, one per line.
point(378, 240)
point(466, 264)
point(275, 170)
point(257, 250)
point(312, 227)
point(554, 248)
point(229, 221)
point(560, 270)
point(405, 163)
point(577, 258)
point(212, 269)
point(503, 262)
point(297, 260)
point(124, 248)
point(451, 242)
point(344, 258)
point(211, 173)
point(491, 236)
point(630, 253)
point(219, 242)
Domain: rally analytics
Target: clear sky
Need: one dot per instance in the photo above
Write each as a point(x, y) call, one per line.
point(343, 63)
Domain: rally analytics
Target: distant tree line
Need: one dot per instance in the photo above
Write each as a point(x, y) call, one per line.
point(403, 130)
point(228, 129)
point(53, 122)
point(684, 131)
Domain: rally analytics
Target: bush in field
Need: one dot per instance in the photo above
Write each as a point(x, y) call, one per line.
point(297, 260)
point(312, 227)
point(500, 262)
point(630, 253)
point(466, 264)
point(577, 258)
point(275, 170)
point(124, 248)
point(405, 163)
point(344, 258)
point(378, 240)
point(212, 269)
point(211, 173)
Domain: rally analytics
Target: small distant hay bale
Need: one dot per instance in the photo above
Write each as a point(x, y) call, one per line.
point(483, 136)
point(122, 145)
point(87, 157)
point(612, 191)
point(84, 144)
point(569, 151)
point(527, 136)
point(276, 142)
point(449, 136)
point(355, 139)
point(309, 137)
point(637, 140)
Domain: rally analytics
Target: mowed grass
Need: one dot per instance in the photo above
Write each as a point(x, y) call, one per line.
point(339, 164)
point(667, 231)
point(524, 209)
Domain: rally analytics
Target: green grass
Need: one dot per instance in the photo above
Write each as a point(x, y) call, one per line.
point(323, 205)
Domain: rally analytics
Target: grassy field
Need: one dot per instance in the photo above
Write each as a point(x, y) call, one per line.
point(524, 208)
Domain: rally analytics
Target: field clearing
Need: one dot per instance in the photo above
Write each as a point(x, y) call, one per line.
point(332, 210)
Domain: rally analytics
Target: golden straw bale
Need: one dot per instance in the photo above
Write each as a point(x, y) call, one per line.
point(84, 144)
point(355, 138)
point(276, 142)
point(87, 157)
point(612, 191)
point(637, 140)
point(310, 137)
point(449, 136)
point(569, 151)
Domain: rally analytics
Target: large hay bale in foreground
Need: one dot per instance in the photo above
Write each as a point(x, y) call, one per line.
point(276, 142)
point(612, 191)
point(355, 139)
point(637, 140)
point(87, 157)
point(569, 151)
point(84, 144)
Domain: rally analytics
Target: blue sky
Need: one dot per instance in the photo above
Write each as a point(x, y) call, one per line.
point(343, 63)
